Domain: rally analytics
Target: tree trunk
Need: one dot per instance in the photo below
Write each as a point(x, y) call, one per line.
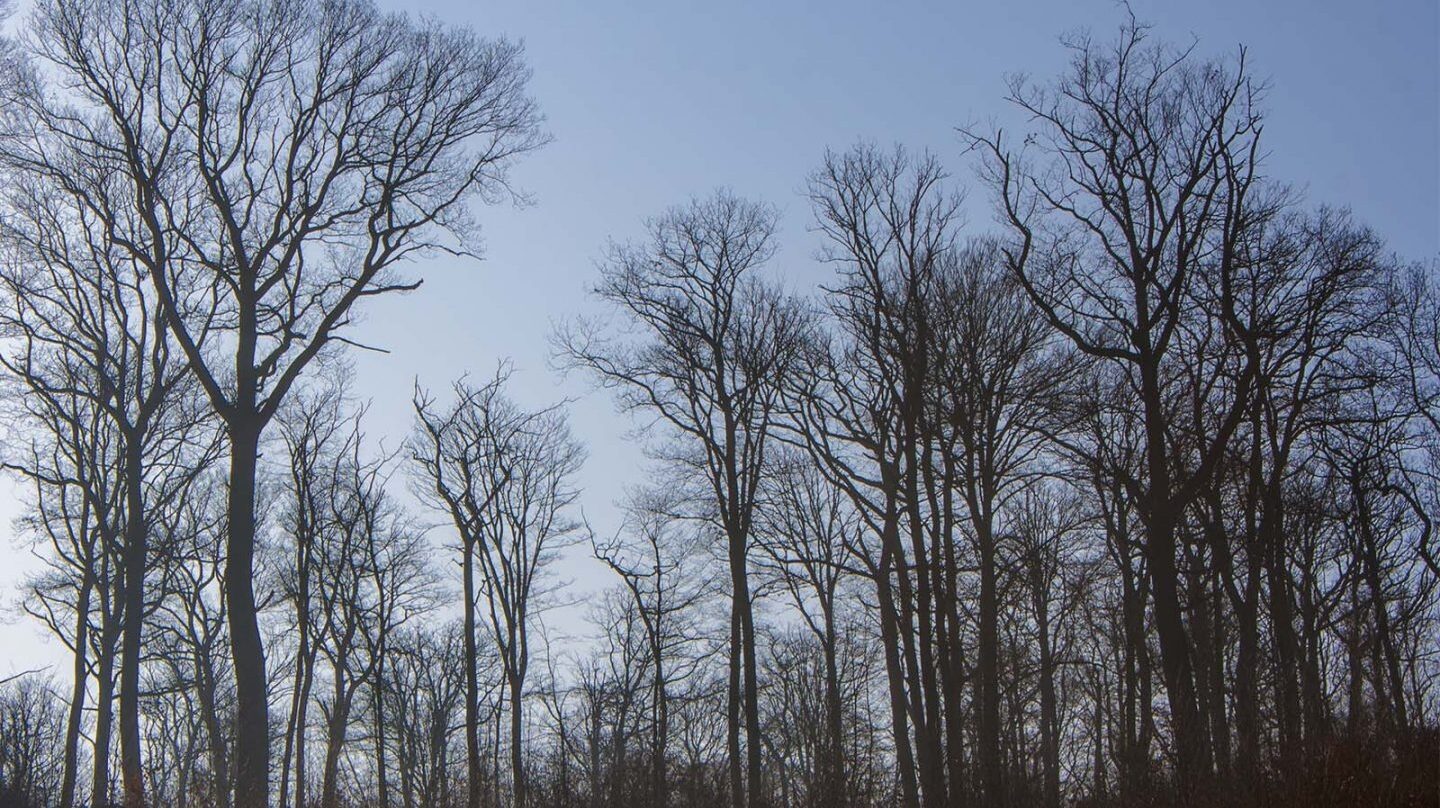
point(1316, 706)
point(1098, 790)
point(1387, 657)
point(1219, 638)
point(1175, 658)
point(104, 709)
point(517, 751)
point(834, 757)
point(80, 674)
point(911, 689)
point(950, 648)
point(890, 631)
point(472, 684)
point(131, 774)
point(1161, 515)
point(210, 713)
point(252, 725)
point(1247, 699)
point(301, 724)
point(1049, 721)
point(661, 790)
point(304, 671)
point(381, 764)
point(732, 710)
point(988, 742)
point(335, 742)
point(1282, 622)
point(755, 787)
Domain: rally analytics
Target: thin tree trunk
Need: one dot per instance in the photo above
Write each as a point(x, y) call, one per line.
point(732, 711)
point(302, 722)
point(472, 684)
point(1316, 706)
point(947, 586)
point(517, 751)
point(1219, 718)
point(1098, 731)
point(661, 792)
point(304, 671)
point(988, 742)
point(1049, 721)
point(1282, 622)
point(930, 753)
point(1247, 710)
point(755, 787)
point(335, 742)
point(104, 710)
point(1387, 658)
point(889, 638)
point(381, 764)
point(131, 774)
point(80, 674)
point(834, 772)
point(219, 753)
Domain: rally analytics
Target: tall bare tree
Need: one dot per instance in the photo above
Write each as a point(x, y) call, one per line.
point(997, 372)
point(704, 348)
point(864, 407)
point(89, 324)
point(269, 165)
point(1133, 197)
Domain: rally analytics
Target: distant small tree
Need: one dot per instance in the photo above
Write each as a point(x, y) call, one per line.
point(31, 742)
point(656, 558)
point(807, 529)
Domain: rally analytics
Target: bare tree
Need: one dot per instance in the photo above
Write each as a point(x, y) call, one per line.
point(424, 683)
point(504, 476)
point(1049, 525)
point(72, 505)
point(369, 578)
point(655, 557)
point(269, 167)
point(703, 351)
point(190, 632)
point(311, 431)
point(806, 528)
point(87, 323)
point(31, 737)
point(996, 372)
point(1414, 335)
point(864, 408)
point(1146, 159)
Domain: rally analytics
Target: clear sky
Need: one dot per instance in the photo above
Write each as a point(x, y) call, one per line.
point(653, 102)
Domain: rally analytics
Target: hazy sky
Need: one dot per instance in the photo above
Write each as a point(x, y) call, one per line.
point(651, 103)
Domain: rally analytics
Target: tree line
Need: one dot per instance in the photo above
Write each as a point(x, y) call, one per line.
point(1126, 499)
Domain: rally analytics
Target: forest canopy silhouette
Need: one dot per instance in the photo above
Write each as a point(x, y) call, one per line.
point(1124, 496)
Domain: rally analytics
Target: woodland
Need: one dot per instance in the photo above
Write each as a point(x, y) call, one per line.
point(1123, 497)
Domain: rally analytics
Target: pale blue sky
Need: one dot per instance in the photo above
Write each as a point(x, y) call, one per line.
point(652, 102)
